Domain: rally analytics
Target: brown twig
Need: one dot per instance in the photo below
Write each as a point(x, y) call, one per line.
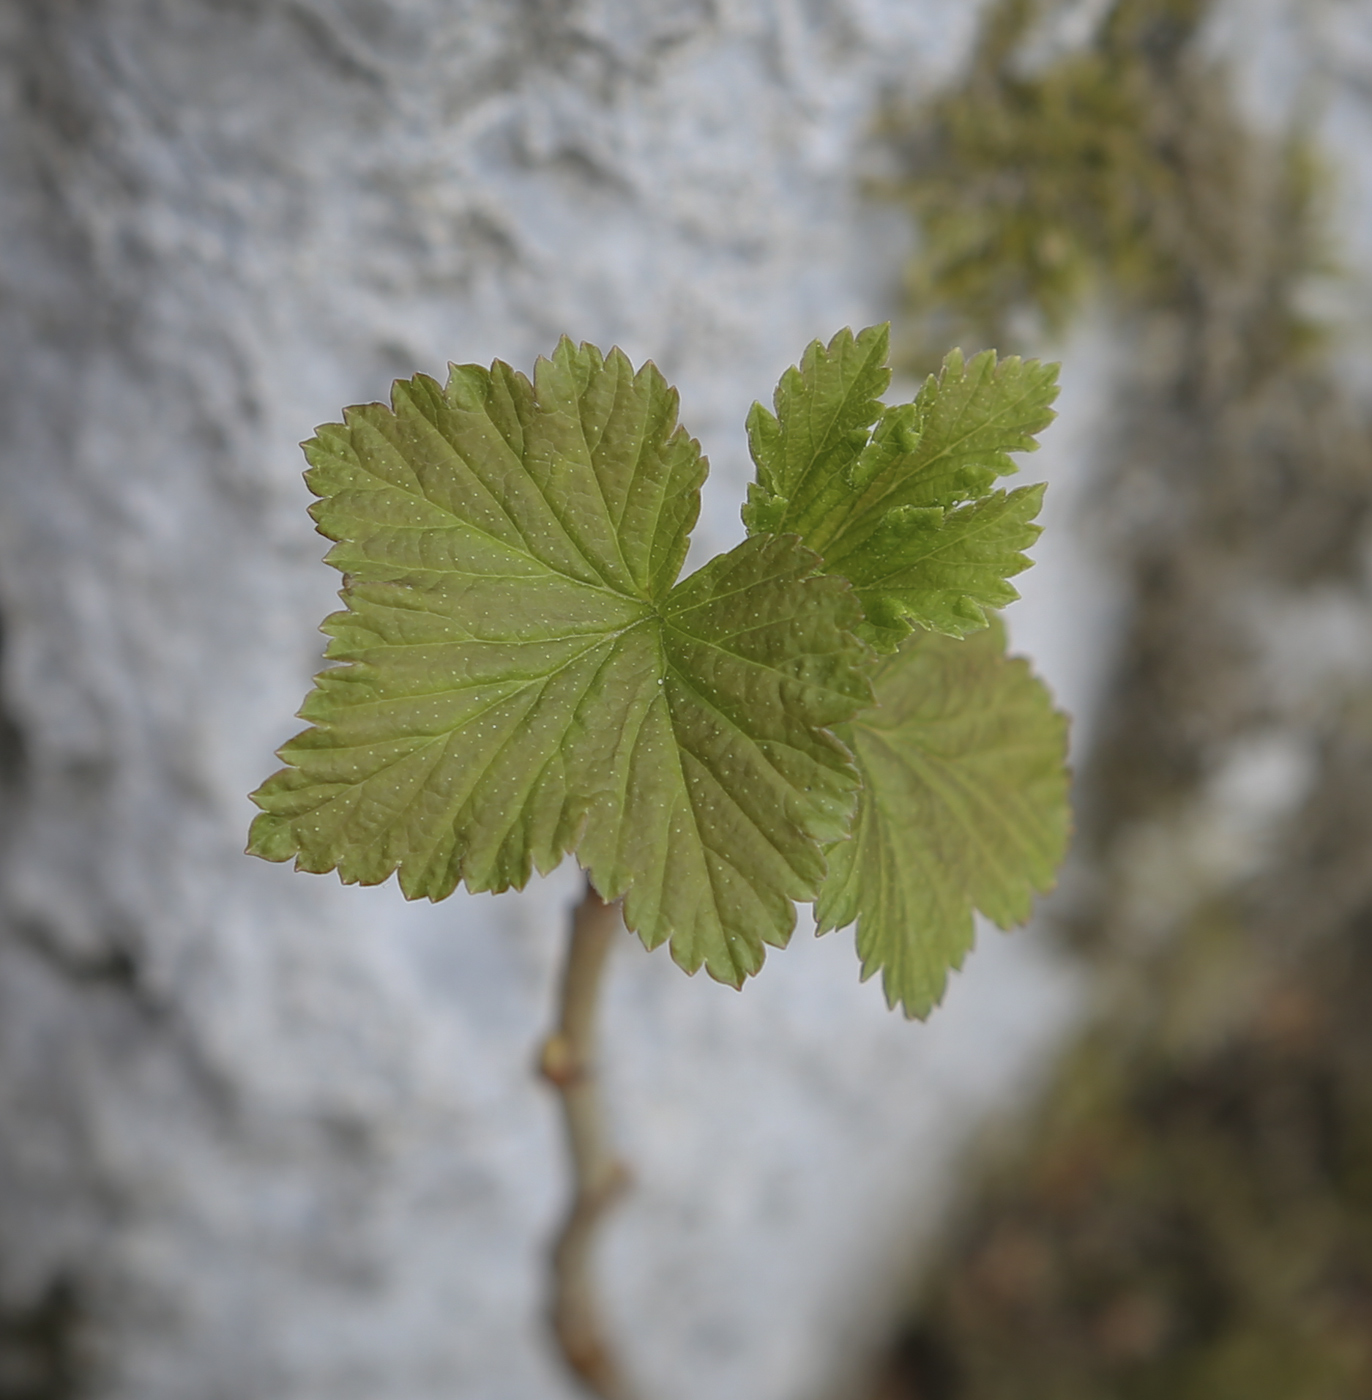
point(568, 1063)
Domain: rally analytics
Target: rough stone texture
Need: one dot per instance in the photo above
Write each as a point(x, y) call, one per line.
point(265, 1138)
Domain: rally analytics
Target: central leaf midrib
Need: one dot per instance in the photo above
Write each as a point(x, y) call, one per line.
point(616, 519)
point(645, 606)
point(517, 686)
point(541, 487)
point(446, 736)
point(704, 847)
point(725, 722)
point(734, 656)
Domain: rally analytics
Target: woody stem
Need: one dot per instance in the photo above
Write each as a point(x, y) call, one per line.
point(599, 1178)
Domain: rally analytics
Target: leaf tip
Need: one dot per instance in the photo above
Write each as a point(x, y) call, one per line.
point(270, 838)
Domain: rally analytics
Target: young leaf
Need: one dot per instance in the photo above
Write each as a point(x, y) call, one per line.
point(964, 806)
point(966, 422)
point(942, 568)
point(523, 676)
point(825, 409)
point(906, 515)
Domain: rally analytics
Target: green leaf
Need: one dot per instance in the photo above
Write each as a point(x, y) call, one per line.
point(522, 676)
point(964, 806)
point(899, 500)
point(942, 568)
point(825, 409)
point(964, 424)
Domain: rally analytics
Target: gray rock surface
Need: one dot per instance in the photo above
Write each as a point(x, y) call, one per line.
point(266, 1138)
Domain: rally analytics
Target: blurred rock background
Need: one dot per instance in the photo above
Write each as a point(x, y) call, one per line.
point(267, 1137)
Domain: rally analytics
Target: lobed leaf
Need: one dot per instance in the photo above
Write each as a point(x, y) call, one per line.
point(957, 438)
point(522, 676)
point(942, 569)
point(963, 807)
point(825, 408)
point(899, 500)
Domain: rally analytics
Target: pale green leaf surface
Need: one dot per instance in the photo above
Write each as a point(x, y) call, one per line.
point(522, 676)
point(825, 408)
point(942, 568)
point(899, 500)
point(965, 423)
point(963, 807)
